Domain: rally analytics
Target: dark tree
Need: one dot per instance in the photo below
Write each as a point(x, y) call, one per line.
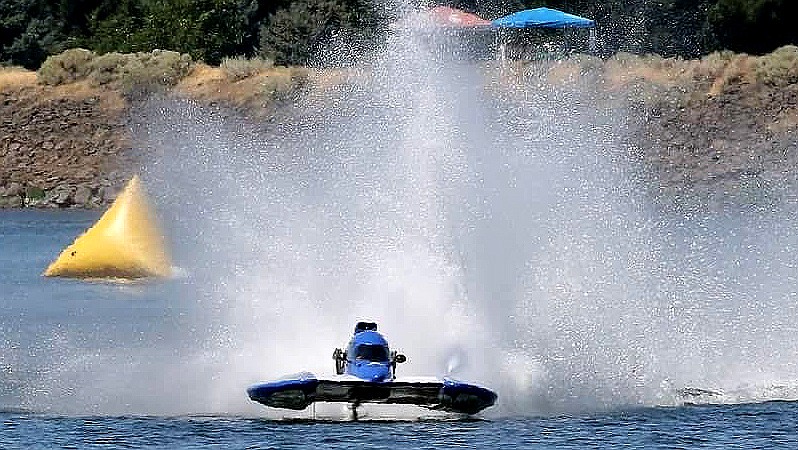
point(29, 31)
point(754, 26)
point(292, 31)
point(206, 29)
point(294, 34)
point(114, 26)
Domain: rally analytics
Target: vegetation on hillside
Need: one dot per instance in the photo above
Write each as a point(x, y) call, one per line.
point(252, 84)
point(290, 31)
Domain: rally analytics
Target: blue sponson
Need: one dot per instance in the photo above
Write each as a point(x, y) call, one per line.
point(465, 398)
point(295, 393)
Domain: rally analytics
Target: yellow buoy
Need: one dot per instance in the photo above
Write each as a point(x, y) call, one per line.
point(124, 243)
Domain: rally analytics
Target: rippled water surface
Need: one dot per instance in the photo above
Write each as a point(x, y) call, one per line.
point(768, 425)
point(46, 405)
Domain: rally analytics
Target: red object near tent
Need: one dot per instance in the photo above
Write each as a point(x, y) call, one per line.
point(445, 16)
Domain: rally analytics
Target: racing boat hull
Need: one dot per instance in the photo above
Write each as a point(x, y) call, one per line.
point(441, 394)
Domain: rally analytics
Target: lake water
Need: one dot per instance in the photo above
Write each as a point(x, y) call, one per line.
point(86, 365)
point(770, 425)
point(496, 225)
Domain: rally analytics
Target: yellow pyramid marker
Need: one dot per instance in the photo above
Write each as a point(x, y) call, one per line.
point(124, 243)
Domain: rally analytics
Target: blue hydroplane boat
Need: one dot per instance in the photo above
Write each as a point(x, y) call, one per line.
point(366, 373)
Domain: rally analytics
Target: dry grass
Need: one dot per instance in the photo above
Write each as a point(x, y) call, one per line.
point(15, 78)
point(80, 74)
point(623, 70)
point(574, 67)
point(711, 66)
point(332, 78)
point(786, 120)
point(241, 67)
point(619, 73)
point(738, 70)
point(110, 101)
point(253, 93)
point(255, 84)
point(202, 80)
point(709, 77)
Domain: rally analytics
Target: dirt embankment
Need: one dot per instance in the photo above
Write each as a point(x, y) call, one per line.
point(59, 146)
point(722, 127)
point(68, 144)
point(725, 130)
point(740, 146)
point(706, 133)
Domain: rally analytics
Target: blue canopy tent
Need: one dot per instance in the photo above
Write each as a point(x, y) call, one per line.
point(542, 18)
point(545, 18)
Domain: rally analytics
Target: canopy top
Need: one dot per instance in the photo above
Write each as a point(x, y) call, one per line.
point(542, 18)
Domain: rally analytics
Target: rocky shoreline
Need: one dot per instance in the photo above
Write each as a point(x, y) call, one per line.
point(68, 144)
point(714, 127)
point(60, 152)
point(60, 146)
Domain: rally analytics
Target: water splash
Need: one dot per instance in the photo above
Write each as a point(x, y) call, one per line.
point(494, 220)
point(465, 210)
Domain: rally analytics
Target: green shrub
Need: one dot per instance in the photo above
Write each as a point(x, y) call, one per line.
point(33, 194)
point(158, 67)
point(142, 70)
point(66, 67)
point(126, 71)
point(779, 68)
point(108, 68)
point(241, 67)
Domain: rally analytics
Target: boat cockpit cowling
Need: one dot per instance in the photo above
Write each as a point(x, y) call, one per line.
point(372, 353)
point(367, 356)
